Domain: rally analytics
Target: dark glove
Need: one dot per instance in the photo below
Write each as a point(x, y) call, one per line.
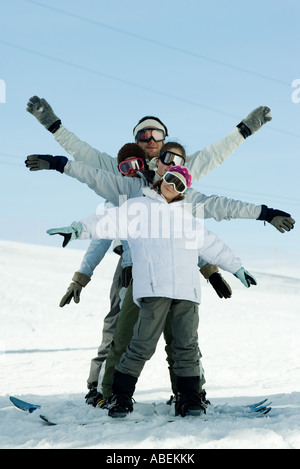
point(220, 285)
point(254, 121)
point(281, 220)
point(79, 281)
point(39, 162)
point(44, 113)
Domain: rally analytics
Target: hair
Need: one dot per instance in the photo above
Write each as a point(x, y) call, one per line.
point(131, 149)
point(157, 187)
point(169, 145)
point(152, 117)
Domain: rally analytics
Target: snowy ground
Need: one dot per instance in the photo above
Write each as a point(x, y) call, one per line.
point(250, 347)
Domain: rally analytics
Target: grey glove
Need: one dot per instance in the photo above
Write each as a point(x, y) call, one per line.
point(79, 281)
point(281, 220)
point(255, 120)
point(283, 224)
point(69, 233)
point(40, 162)
point(44, 113)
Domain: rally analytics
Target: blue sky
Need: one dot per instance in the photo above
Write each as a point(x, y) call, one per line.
point(200, 66)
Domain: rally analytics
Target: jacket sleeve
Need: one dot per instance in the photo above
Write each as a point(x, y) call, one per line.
point(204, 161)
point(83, 152)
point(94, 255)
point(113, 188)
point(220, 207)
point(215, 252)
point(107, 223)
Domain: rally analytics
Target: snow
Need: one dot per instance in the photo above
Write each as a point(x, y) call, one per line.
point(250, 347)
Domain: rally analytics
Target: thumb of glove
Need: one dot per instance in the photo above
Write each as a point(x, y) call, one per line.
point(245, 277)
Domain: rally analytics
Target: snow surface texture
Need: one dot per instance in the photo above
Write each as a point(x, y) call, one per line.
point(250, 347)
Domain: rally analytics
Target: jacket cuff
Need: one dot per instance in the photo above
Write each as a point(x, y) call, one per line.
point(80, 278)
point(208, 270)
point(55, 126)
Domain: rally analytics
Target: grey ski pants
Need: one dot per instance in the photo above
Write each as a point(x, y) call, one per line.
point(108, 330)
point(148, 329)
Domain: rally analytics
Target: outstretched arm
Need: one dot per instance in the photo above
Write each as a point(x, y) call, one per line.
point(204, 161)
point(80, 150)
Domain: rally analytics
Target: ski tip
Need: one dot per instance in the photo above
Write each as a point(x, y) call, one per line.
point(23, 405)
point(44, 418)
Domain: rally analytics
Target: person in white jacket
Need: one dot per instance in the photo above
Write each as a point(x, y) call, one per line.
point(165, 241)
point(110, 187)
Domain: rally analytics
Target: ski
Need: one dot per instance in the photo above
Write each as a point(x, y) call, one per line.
point(163, 413)
point(23, 405)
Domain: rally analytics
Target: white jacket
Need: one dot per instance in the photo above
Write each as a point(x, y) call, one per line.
point(165, 248)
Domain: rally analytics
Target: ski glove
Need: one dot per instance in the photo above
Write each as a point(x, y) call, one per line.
point(220, 285)
point(210, 272)
point(281, 220)
point(39, 162)
point(79, 281)
point(44, 113)
point(254, 121)
point(245, 277)
point(69, 232)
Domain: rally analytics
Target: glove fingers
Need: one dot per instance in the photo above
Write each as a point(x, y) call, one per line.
point(77, 296)
point(250, 280)
point(288, 223)
point(66, 299)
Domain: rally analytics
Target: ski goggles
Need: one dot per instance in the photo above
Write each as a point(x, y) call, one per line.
point(145, 135)
point(168, 157)
point(178, 184)
point(132, 165)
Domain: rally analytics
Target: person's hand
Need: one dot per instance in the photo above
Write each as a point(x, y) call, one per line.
point(220, 285)
point(74, 290)
point(255, 120)
point(245, 277)
point(40, 162)
point(281, 220)
point(69, 233)
point(44, 113)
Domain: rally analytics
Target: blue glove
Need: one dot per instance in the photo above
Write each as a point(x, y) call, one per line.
point(68, 232)
point(39, 162)
point(245, 277)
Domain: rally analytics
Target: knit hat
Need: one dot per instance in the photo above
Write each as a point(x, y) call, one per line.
point(131, 150)
point(182, 173)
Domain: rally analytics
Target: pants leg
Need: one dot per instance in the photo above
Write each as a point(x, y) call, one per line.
point(123, 334)
point(185, 321)
point(108, 328)
point(147, 331)
point(168, 336)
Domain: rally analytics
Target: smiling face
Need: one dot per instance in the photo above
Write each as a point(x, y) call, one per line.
point(168, 191)
point(163, 168)
point(151, 148)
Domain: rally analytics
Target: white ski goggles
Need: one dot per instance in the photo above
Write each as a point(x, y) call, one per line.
point(179, 185)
